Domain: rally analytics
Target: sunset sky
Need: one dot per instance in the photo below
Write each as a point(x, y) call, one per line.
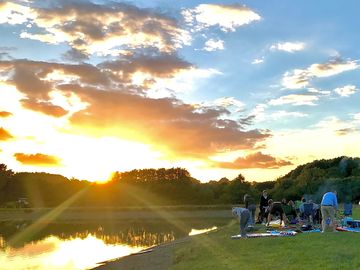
point(218, 87)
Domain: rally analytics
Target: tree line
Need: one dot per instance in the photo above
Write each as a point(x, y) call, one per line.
point(175, 186)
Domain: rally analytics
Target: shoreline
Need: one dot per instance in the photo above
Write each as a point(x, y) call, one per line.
point(158, 257)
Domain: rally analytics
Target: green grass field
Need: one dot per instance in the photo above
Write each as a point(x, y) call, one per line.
point(216, 251)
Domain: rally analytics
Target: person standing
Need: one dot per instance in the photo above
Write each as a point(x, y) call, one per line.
point(329, 205)
point(264, 205)
point(244, 215)
point(251, 206)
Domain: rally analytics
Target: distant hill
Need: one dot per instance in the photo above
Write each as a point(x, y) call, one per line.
point(314, 178)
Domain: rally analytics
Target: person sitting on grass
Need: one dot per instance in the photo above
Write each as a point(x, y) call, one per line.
point(275, 209)
point(290, 212)
point(244, 215)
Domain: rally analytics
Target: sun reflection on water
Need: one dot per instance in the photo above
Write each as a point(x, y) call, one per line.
point(75, 246)
point(195, 231)
point(59, 254)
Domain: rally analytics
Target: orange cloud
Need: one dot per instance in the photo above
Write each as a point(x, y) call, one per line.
point(116, 107)
point(37, 159)
point(5, 114)
point(5, 135)
point(44, 107)
point(166, 122)
point(257, 160)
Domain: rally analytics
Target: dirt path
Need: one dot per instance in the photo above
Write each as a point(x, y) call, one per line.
point(157, 258)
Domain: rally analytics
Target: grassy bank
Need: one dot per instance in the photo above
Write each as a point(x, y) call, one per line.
point(304, 251)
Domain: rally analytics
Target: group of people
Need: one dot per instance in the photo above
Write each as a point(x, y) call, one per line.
point(288, 212)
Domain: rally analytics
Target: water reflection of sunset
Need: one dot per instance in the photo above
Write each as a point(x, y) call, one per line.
point(59, 254)
point(196, 232)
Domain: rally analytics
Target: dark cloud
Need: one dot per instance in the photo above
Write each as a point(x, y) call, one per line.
point(257, 160)
point(5, 135)
point(74, 55)
point(37, 159)
point(29, 81)
point(29, 76)
point(161, 65)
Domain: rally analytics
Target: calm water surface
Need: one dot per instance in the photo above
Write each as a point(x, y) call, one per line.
point(82, 246)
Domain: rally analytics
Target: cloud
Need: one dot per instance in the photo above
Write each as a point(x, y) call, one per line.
point(229, 102)
point(300, 78)
point(184, 81)
point(92, 29)
point(345, 131)
point(227, 17)
point(5, 135)
point(258, 113)
point(284, 114)
point(74, 55)
point(149, 67)
point(296, 79)
point(213, 45)
point(295, 99)
point(44, 107)
point(5, 114)
point(113, 108)
point(346, 90)
point(168, 123)
point(7, 48)
point(288, 46)
point(12, 13)
point(257, 160)
point(333, 67)
point(319, 92)
point(37, 159)
point(338, 126)
point(356, 117)
point(257, 61)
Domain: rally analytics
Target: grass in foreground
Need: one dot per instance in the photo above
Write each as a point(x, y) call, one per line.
point(304, 251)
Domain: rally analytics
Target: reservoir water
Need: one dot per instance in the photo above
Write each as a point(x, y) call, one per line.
point(81, 245)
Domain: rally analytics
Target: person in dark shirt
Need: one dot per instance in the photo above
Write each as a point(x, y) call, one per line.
point(275, 209)
point(263, 206)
